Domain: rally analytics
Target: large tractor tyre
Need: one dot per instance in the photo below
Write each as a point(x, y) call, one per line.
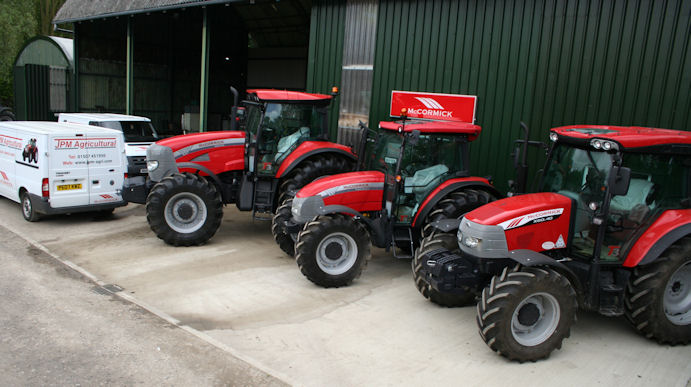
point(184, 210)
point(455, 205)
point(305, 173)
point(525, 314)
point(658, 296)
point(438, 240)
point(28, 211)
point(332, 250)
point(283, 214)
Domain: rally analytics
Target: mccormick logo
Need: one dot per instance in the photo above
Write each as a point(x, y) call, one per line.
point(79, 143)
point(447, 107)
point(534, 218)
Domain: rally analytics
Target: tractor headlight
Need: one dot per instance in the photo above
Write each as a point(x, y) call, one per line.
point(471, 242)
point(306, 209)
point(151, 165)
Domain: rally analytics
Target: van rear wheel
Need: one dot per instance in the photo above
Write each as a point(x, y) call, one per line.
point(184, 210)
point(28, 210)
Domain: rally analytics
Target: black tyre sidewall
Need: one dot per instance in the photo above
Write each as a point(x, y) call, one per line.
point(316, 231)
point(162, 192)
point(500, 337)
point(34, 215)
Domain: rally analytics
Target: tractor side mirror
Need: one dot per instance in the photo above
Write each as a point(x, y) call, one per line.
point(619, 180)
point(413, 137)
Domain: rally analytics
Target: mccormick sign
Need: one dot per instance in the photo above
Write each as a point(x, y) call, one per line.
point(434, 106)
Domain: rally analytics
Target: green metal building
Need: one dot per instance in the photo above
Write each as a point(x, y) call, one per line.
point(545, 62)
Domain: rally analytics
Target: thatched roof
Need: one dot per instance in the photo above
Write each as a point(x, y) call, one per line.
point(78, 10)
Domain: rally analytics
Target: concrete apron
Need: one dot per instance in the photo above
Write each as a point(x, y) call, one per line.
point(241, 293)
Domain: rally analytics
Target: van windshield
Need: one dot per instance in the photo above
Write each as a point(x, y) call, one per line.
point(133, 130)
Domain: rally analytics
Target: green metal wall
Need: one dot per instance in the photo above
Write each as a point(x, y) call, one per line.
point(325, 60)
point(546, 62)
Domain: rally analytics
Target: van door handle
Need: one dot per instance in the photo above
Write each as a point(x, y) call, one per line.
point(111, 170)
point(94, 181)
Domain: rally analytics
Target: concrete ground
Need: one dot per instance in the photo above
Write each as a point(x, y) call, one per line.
point(241, 293)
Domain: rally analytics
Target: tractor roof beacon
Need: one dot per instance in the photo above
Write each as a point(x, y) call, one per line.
point(609, 232)
point(418, 174)
point(281, 146)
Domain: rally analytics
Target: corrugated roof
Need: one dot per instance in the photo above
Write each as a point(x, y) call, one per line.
point(78, 10)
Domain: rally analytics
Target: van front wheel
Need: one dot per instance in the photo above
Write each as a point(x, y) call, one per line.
point(28, 210)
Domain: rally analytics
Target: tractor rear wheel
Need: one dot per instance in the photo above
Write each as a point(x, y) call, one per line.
point(525, 313)
point(455, 205)
point(658, 296)
point(332, 250)
point(304, 174)
point(438, 240)
point(184, 210)
point(285, 240)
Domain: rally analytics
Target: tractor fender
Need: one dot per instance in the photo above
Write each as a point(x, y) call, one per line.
point(532, 258)
point(670, 227)
point(446, 188)
point(339, 209)
point(311, 148)
point(213, 176)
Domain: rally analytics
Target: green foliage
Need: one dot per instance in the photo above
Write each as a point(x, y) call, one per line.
point(18, 23)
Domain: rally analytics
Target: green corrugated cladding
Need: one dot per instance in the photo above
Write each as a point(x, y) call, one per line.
point(548, 63)
point(327, 26)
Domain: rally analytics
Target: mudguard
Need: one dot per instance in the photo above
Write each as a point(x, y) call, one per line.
point(308, 149)
point(532, 258)
point(670, 227)
point(446, 188)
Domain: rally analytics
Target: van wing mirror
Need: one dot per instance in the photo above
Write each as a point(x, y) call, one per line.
point(619, 180)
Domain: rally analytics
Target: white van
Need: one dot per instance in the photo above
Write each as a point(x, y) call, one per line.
point(138, 133)
point(54, 168)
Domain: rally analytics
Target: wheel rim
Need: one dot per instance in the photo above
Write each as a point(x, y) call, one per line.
point(677, 299)
point(535, 319)
point(185, 212)
point(337, 253)
point(26, 207)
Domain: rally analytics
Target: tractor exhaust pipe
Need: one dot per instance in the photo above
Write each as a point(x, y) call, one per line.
point(234, 109)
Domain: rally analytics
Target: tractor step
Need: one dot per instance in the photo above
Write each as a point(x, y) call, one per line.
point(611, 300)
point(263, 216)
point(404, 238)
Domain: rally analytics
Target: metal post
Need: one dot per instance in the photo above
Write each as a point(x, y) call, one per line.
point(204, 86)
point(129, 78)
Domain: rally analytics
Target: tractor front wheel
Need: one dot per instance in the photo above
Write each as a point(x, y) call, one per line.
point(525, 314)
point(455, 205)
point(184, 210)
point(438, 240)
point(658, 296)
point(304, 174)
point(332, 250)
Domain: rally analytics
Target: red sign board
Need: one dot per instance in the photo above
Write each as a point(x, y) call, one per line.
point(434, 106)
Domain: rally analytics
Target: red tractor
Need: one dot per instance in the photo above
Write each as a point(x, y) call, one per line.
point(610, 232)
point(419, 175)
point(283, 146)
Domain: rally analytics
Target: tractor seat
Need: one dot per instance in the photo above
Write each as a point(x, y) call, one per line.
point(285, 143)
point(419, 183)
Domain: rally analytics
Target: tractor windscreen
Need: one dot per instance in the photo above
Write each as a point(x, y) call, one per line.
point(132, 130)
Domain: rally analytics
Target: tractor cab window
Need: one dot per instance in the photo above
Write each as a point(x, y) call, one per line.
point(285, 126)
point(425, 165)
point(253, 114)
point(658, 182)
point(580, 174)
point(386, 152)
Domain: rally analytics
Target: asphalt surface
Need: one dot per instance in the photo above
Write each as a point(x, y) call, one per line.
point(241, 294)
point(59, 328)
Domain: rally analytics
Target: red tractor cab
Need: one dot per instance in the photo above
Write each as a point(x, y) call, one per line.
point(284, 145)
point(609, 232)
point(418, 174)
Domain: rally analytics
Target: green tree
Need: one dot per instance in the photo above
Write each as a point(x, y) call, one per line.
point(18, 23)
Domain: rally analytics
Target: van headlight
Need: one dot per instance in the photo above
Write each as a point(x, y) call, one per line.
point(151, 165)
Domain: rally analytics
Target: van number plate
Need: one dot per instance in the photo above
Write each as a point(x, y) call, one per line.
point(67, 187)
